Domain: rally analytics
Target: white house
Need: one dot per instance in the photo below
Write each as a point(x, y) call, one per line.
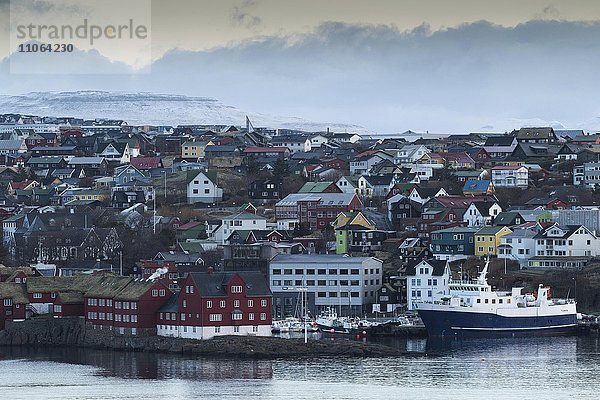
point(115, 152)
point(242, 221)
point(422, 195)
point(567, 240)
point(314, 142)
point(202, 187)
point(409, 154)
point(481, 213)
point(423, 171)
point(16, 146)
point(518, 245)
point(509, 176)
point(426, 280)
point(362, 163)
point(348, 184)
point(556, 247)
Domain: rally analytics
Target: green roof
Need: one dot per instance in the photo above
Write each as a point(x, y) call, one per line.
point(134, 290)
point(353, 179)
point(108, 286)
point(211, 175)
point(191, 247)
point(71, 297)
point(505, 217)
point(56, 284)
point(14, 291)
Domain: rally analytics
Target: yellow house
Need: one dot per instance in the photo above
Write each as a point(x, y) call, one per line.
point(488, 239)
point(91, 194)
point(352, 218)
point(431, 158)
point(193, 149)
point(343, 226)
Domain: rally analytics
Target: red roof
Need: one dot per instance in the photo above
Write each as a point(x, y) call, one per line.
point(189, 225)
point(278, 149)
point(21, 185)
point(143, 163)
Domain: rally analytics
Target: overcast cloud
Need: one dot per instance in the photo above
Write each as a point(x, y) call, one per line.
point(471, 77)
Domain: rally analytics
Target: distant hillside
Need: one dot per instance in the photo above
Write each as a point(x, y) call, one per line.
point(155, 109)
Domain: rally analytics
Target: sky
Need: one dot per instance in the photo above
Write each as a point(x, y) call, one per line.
point(388, 65)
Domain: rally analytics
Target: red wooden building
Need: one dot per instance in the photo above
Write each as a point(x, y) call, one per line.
point(69, 304)
point(14, 303)
point(224, 303)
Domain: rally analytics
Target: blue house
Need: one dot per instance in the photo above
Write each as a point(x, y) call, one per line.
point(453, 243)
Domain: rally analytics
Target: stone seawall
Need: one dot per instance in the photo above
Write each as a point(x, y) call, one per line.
point(73, 332)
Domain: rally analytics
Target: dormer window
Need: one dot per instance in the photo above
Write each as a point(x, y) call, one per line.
point(236, 289)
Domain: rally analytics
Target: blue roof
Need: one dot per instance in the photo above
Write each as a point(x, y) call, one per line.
point(476, 185)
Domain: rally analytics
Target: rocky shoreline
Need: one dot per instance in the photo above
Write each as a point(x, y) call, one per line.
point(74, 333)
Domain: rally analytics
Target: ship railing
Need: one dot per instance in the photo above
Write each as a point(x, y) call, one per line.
point(464, 282)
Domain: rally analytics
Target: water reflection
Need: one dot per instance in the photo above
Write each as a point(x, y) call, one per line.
point(136, 365)
point(548, 368)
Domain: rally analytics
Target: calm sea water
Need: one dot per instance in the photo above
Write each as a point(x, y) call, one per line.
point(541, 368)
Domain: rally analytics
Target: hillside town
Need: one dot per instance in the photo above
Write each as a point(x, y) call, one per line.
point(196, 231)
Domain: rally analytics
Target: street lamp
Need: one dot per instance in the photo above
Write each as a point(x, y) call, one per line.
point(575, 281)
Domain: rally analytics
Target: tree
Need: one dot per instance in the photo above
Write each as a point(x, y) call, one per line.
point(281, 170)
point(302, 229)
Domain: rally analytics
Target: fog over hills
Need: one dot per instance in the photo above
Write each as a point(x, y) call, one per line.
point(154, 109)
point(473, 77)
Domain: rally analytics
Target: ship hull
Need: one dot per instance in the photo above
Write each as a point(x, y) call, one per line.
point(455, 323)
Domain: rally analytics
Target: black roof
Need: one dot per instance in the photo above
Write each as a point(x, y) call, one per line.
point(505, 140)
point(213, 284)
point(438, 267)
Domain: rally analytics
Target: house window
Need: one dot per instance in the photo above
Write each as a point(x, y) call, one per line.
point(8, 302)
point(263, 316)
point(236, 329)
point(222, 304)
point(237, 316)
point(236, 303)
point(250, 303)
point(236, 289)
point(209, 304)
point(37, 295)
point(162, 292)
point(154, 292)
point(263, 303)
point(215, 317)
point(251, 316)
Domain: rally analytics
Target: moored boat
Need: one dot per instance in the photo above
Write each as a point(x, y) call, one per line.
point(473, 309)
point(329, 322)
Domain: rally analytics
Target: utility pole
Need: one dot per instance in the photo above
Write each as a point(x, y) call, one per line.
point(154, 211)
point(121, 261)
point(165, 172)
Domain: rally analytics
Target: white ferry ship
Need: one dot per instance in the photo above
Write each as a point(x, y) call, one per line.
point(473, 310)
